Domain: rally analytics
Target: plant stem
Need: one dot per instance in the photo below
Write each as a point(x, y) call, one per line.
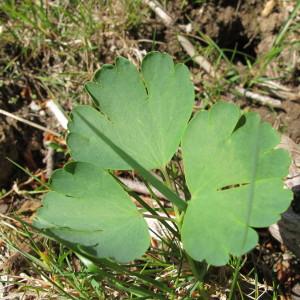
point(199, 269)
point(170, 186)
point(235, 278)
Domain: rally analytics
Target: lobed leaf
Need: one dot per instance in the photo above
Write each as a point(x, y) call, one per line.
point(144, 113)
point(87, 207)
point(234, 174)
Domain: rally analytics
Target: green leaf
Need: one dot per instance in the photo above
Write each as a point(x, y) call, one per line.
point(234, 174)
point(87, 207)
point(144, 113)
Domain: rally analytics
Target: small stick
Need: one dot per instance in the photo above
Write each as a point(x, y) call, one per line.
point(167, 20)
point(281, 91)
point(265, 100)
point(200, 60)
point(32, 124)
point(58, 114)
point(49, 160)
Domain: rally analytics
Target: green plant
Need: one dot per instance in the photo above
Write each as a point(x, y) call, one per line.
point(232, 169)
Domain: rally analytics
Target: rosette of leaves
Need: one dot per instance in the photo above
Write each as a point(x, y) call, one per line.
point(232, 167)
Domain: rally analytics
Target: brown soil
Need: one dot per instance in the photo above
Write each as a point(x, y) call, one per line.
point(21, 144)
point(241, 25)
point(7, 149)
point(246, 26)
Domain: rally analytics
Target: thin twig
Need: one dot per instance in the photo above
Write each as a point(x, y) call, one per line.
point(32, 124)
point(58, 113)
point(199, 59)
point(281, 91)
point(48, 159)
point(167, 20)
point(265, 100)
